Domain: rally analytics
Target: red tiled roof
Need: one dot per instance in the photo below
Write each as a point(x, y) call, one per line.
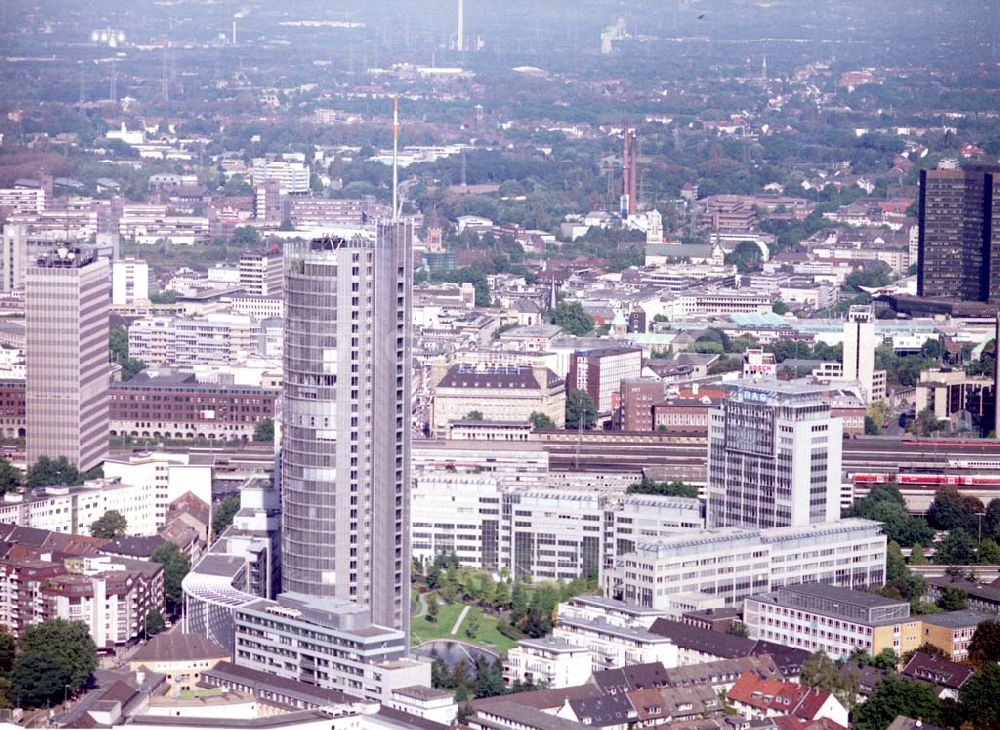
point(790, 722)
point(770, 694)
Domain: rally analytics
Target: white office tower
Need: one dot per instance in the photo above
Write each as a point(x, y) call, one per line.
point(859, 350)
point(129, 282)
point(774, 455)
point(13, 256)
point(68, 366)
point(292, 176)
point(345, 448)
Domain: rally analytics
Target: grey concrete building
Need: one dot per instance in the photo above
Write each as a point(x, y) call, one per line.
point(67, 304)
point(346, 421)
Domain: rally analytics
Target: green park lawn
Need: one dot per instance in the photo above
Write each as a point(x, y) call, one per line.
point(422, 630)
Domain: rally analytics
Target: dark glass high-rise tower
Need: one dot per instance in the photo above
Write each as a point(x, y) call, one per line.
point(959, 244)
point(345, 448)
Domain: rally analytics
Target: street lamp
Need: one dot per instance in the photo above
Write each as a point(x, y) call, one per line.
point(980, 515)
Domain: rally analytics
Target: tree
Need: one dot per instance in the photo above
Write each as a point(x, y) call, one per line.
point(118, 343)
point(518, 603)
point(746, 257)
point(440, 674)
point(885, 659)
point(263, 432)
point(489, 678)
point(951, 510)
point(246, 236)
point(895, 565)
point(957, 548)
point(472, 626)
point(460, 677)
point(537, 624)
point(176, 565)
point(69, 643)
point(111, 526)
point(10, 477)
point(991, 520)
point(917, 556)
point(821, 671)
point(131, 368)
point(978, 698)
point(48, 472)
point(738, 629)
point(155, 623)
point(432, 607)
point(473, 416)
point(926, 423)
point(223, 514)
point(237, 186)
point(871, 274)
point(989, 552)
point(985, 645)
point(885, 504)
point(39, 679)
point(894, 696)
point(665, 489)
point(580, 410)
point(8, 651)
point(540, 421)
point(847, 687)
point(932, 349)
point(572, 319)
point(928, 649)
point(952, 598)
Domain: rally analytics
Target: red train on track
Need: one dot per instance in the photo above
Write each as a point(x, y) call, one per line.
point(930, 480)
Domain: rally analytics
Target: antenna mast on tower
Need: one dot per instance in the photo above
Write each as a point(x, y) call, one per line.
point(395, 159)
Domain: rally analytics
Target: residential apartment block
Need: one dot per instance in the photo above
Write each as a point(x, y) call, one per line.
point(112, 595)
point(613, 646)
point(141, 489)
point(553, 662)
